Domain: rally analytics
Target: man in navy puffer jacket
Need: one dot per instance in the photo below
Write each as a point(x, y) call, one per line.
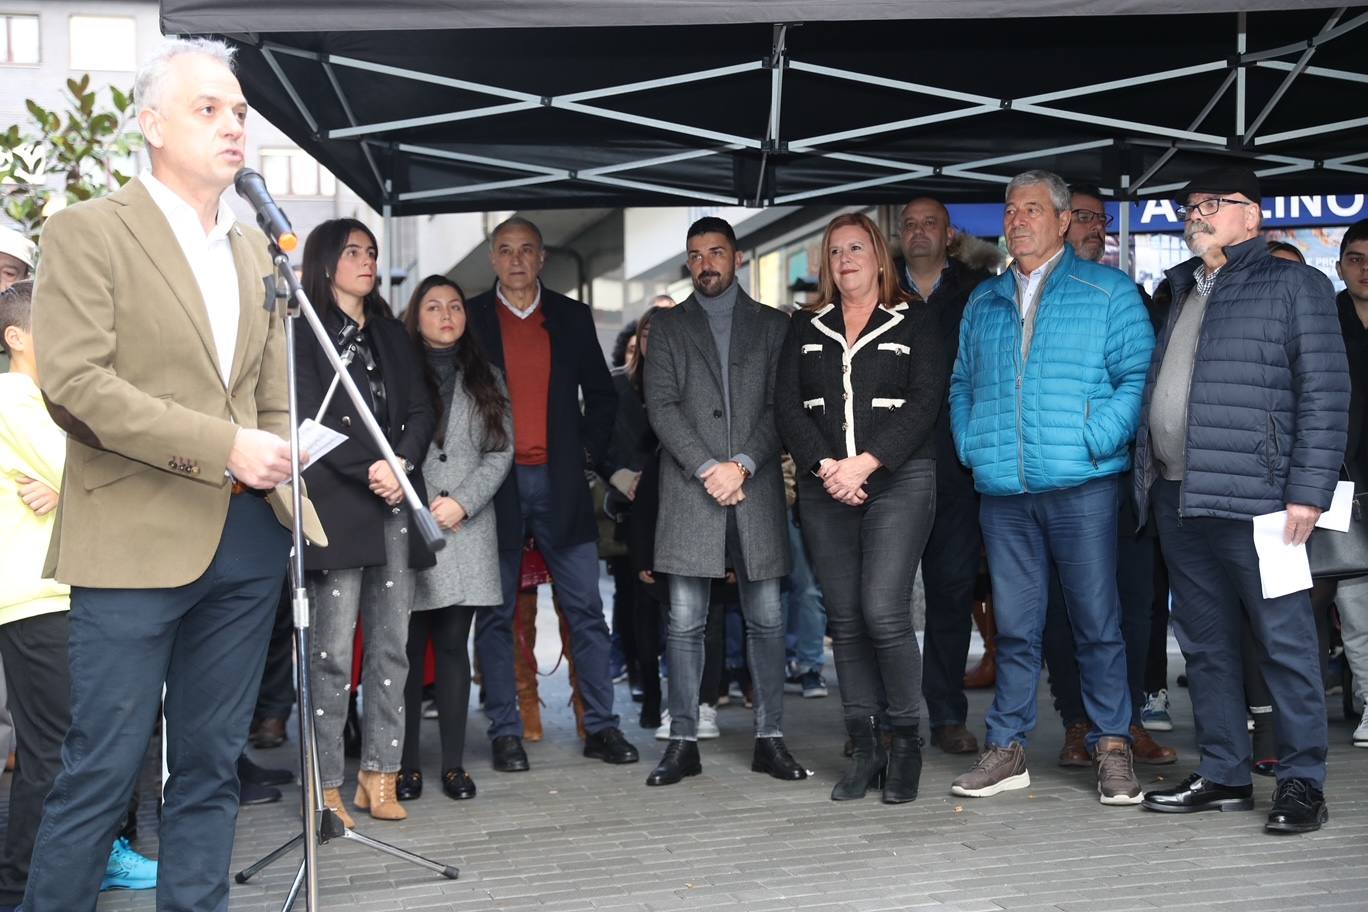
point(1245, 413)
point(1044, 400)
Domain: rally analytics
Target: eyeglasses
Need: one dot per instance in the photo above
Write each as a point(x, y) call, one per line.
point(1088, 216)
point(1208, 207)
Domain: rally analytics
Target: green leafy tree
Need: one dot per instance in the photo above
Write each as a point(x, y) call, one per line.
point(63, 157)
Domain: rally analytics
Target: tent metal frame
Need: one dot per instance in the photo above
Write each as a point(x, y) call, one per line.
point(1244, 137)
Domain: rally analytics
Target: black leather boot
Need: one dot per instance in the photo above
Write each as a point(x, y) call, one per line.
point(680, 760)
point(867, 762)
point(904, 766)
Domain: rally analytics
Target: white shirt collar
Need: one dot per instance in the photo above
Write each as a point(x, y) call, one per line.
point(181, 214)
point(1035, 274)
point(520, 314)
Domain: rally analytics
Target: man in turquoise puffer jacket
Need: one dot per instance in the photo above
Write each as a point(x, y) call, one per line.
point(1044, 401)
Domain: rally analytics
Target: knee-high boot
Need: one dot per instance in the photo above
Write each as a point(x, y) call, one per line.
point(576, 698)
point(984, 674)
point(525, 663)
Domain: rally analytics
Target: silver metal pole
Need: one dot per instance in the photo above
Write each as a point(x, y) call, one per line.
point(388, 214)
point(1123, 228)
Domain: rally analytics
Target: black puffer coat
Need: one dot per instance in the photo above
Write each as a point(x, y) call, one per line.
point(1269, 396)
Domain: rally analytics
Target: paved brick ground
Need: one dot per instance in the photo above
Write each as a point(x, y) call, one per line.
point(575, 834)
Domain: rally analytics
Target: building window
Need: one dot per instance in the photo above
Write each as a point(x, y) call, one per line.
point(104, 43)
point(293, 172)
point(19, 39)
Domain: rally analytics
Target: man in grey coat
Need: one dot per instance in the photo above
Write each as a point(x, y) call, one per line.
point(710, 399)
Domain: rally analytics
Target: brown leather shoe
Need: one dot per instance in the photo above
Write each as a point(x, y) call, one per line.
point(1146, 750)
point(954, 739)
point(1075, 749)
point(267, 733)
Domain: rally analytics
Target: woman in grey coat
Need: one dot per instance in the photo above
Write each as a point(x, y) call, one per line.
point(470, 455)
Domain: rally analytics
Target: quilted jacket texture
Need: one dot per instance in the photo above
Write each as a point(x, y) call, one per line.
point(1066, 413)
point(1268, 402)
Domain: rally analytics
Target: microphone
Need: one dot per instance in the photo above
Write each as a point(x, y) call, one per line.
point(251, 186)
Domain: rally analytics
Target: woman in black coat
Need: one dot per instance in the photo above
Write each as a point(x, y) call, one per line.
point(367, 568)
point(861, 379)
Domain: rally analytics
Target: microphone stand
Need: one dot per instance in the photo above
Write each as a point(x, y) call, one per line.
point(320, 824)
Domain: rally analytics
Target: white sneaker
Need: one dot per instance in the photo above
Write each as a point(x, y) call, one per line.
point(1360, 733)
point(663, 733)
point(707, 722)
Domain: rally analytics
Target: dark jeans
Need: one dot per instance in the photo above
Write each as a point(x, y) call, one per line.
point(1156, 660)
point(277, 695)
point(866, 558)
point(1215, 577)
point(34, 652)
point(1073, 529)
point(449, 631)
point(206, 641)
point(575, 574)
point(950, 567)
point(1134, 584)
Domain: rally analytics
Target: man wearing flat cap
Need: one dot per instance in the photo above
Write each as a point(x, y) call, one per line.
point(1245, 413)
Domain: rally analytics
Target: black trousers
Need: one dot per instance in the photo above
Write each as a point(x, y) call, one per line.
point(1215, 576)
point(277, 695)
point(950, 567)
point(449, 631)
point(865, 559)
point(34, 651)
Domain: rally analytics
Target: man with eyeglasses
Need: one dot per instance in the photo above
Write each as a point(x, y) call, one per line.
point(1135, 556)
point(950, 563)
point(1245, 413)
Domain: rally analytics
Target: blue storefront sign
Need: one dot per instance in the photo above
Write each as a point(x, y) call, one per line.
point(1159, 215)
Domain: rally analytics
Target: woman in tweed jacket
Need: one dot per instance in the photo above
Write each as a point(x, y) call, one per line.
point(469, 458)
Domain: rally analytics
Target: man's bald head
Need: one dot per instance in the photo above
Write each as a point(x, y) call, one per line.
point(925, 231)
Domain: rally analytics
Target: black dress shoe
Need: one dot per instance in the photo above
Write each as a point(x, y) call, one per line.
point(409, 786)
point(509, 756)
point(680, 760)
point(253, 793)
point(457, 784)
point(259, 775)
point(610, 746)
point(1198, 794)
point(1298, 807)
point(772, 756)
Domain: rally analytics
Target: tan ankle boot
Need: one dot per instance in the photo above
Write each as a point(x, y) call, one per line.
point(376, 792)
point(525, 663)
point(332, 800)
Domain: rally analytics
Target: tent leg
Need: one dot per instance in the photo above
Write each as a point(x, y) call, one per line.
point(1123, 233)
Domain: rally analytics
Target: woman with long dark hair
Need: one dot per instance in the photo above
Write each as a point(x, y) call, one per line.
point(860, 385)
point(366, 570)
point(469, 458)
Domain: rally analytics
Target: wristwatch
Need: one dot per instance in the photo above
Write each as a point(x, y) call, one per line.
point(745, 472)
point(403, 460)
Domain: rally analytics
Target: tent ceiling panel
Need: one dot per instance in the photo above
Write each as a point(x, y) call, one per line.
point(467, 118)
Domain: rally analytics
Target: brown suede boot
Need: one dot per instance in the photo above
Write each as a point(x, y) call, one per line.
point(525, 663)
point(332, 800)
point(984, 674)
point(1146, 750)
point(375, 792)
point(1075, 749)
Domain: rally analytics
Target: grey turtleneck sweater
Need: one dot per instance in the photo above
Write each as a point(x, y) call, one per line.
point(719, 312)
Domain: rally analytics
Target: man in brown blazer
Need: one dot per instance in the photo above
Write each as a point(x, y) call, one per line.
point(158, 359)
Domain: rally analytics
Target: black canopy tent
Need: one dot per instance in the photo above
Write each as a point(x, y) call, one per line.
point(424, 107)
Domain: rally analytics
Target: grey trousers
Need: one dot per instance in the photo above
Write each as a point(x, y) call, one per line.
point(382, 598)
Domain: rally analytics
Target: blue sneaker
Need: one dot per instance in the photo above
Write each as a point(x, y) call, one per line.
point(127, 870)
point(1154, 716)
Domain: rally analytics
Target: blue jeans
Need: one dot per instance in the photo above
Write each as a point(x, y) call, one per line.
point(806, 614)
point(764, 614)
point(206, 641)
point(1075, 529)
point(575, 575)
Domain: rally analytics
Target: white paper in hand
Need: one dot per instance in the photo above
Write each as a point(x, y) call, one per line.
point(1283, 568)
point(317, 440)
point(1337, 517)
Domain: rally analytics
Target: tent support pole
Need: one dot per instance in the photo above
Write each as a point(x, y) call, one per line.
point(387, 229)
point(1123, 228)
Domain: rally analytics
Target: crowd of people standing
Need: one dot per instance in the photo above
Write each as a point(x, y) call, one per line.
point(1053, 421)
